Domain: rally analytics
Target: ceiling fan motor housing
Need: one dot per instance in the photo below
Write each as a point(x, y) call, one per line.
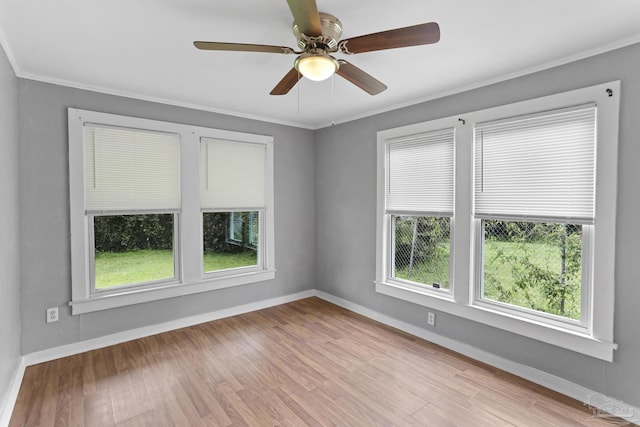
point(331, 28)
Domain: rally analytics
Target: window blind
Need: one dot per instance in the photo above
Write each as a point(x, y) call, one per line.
point(420, 173)
point(130, 170)
point(537, 167)
point(233, 174)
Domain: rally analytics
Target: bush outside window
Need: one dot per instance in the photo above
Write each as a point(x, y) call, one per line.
point(230, 240)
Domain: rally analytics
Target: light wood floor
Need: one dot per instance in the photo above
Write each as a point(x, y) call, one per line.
point(304, 363)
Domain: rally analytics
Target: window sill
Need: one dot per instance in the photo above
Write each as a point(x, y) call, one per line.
point(132, 296)
point(564, 338)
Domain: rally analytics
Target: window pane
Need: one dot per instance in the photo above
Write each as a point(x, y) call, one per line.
point(534, 265)
point(230, 240)
point(421, 252)
point(131, 249)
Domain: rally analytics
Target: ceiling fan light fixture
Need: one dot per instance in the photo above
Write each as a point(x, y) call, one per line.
point(317, 67)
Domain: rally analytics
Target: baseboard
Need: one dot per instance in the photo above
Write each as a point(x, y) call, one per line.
point(9, 401)
point(592, 398)
point(120, 337)
point(602, 404)
point(6, 410)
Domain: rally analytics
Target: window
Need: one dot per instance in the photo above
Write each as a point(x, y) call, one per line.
point(422, 250)
point(133, 249)
point(419, 203)
point(232, 179)
point(160, 209)
point(534, 200)
point(531, 234)
point(132, 197)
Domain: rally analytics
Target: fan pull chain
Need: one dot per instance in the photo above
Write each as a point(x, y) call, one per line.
point(333, 101)
point(298, 92)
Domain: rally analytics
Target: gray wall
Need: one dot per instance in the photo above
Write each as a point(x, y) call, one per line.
point(330, 184)
point(345, 221)
point(44, 210)
point(9, 220)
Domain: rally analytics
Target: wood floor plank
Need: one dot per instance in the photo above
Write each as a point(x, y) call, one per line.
point(76, 407)
point(268, 408)
point(64, 394)
point(307, 363)
point(306, 418)
point(392, 396)
point(387, 408)
point(156, 418)
point(123, 391)
point(235, 408)
point(98, 409)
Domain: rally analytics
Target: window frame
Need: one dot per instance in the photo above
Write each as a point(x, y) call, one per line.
point(596, 338)
point(581, 326)
point(138, 285)
point(190, 278)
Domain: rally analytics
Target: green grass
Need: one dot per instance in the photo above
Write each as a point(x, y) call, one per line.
point(124, 268)
point(435, 270)
point(221, 261)
point(541, 254)
point(499, 282)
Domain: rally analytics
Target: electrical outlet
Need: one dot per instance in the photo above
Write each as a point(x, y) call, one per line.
point(431, 319)
point(52, 314)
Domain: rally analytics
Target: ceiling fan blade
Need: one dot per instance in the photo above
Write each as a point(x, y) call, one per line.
point(400, 37)
point(242, 47)
point(306, 16)
point(364, 81)
point(287, 83)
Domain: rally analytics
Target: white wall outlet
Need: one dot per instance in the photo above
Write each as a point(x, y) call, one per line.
point(431, 319)
point(52, 314)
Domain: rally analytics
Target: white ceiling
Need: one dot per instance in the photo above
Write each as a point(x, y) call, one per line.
point(144, 49)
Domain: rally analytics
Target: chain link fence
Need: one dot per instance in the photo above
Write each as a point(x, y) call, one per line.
point(421, 250)
point(534, 265)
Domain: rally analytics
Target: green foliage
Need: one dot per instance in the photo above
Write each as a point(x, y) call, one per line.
point(433, 270)
point(139, 248)
point(120, 233)
point(215, 231)
point(526, 264)
point(535, 265)
point(430, 232)
point(422, 249)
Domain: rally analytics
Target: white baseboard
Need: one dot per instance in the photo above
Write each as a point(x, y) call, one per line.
point(9, 401)
point(591, 398)
point(120, 337)
point(6, 410)
point(578, 392)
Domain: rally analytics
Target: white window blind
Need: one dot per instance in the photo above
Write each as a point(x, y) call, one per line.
point(233, 174)
point(537, 167)
point(130, 170)
point(420, 173)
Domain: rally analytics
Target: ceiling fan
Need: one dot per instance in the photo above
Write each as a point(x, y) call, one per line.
point(318, 36)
